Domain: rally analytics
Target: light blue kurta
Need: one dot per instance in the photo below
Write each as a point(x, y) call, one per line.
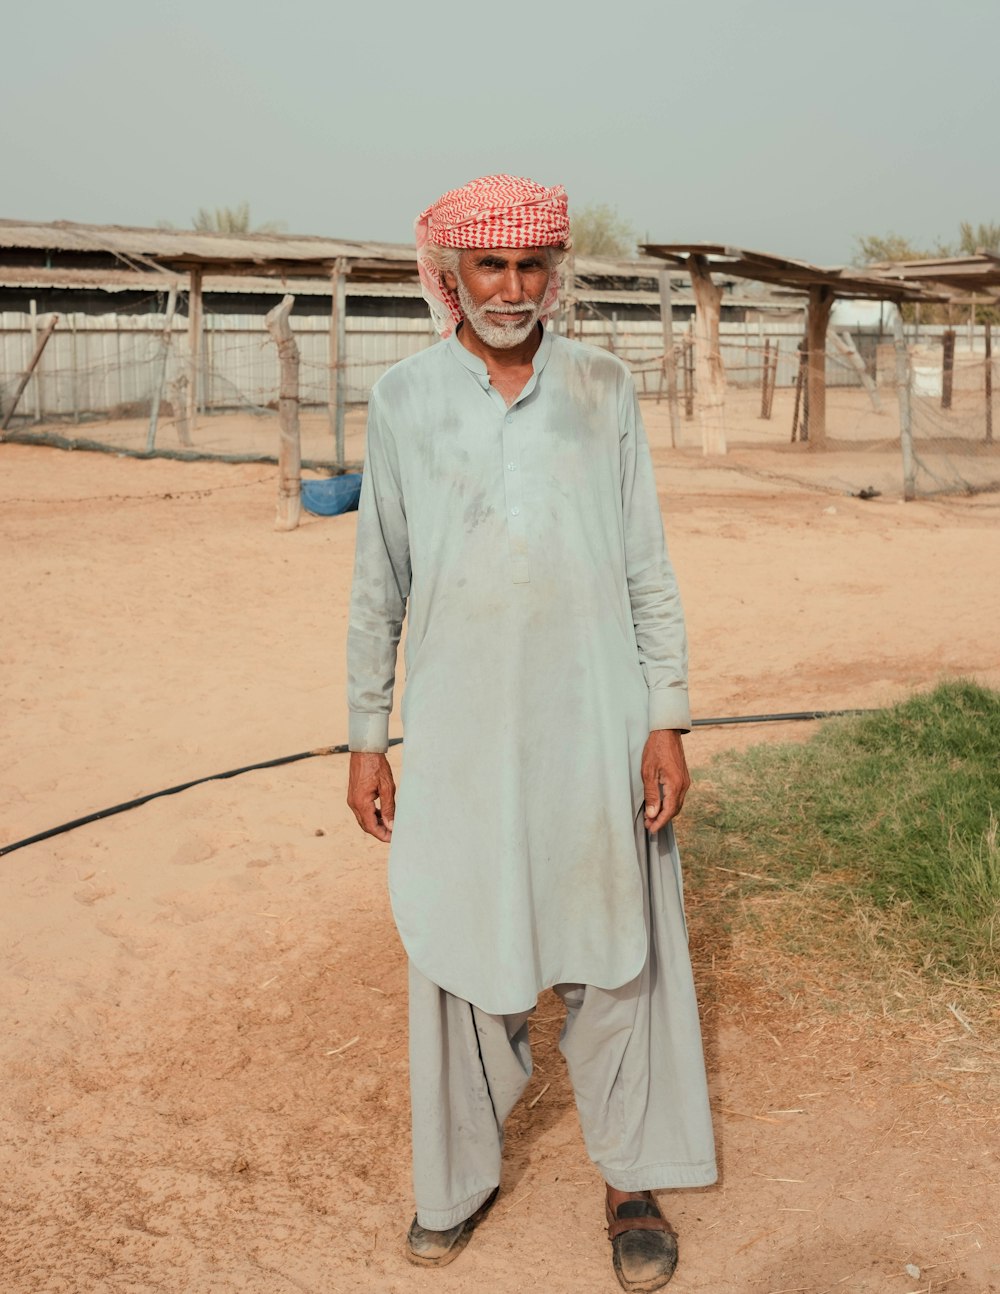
point(545, 639)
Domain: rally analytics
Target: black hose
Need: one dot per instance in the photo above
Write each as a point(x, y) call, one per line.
point(342, 750)
point(779, 718)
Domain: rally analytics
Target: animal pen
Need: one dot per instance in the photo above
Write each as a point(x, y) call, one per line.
point(769, 368)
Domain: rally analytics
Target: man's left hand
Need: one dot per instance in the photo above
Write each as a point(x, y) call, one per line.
point(665, 777)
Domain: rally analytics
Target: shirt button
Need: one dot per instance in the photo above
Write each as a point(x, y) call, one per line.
point(514, 512)
point(511, 467)
point(509, 418)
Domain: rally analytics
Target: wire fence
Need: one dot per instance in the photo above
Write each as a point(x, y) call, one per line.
point(100, 378)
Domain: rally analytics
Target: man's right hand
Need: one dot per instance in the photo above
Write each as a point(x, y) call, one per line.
point(371, 793)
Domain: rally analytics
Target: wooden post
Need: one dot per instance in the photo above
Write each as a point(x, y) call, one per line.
point(194, 356)
point(688, 358)
point(800, 376)
point(161, 368)
point(179, 402)
point(40, 345)
point(989, 383)
point(772, 383)
point(947, 367)
point(710, 381)
point(74, 366)
point(844, 342)
point(905, 422)
point(338, 350)
point(36, 390)
point(207, 365)
point(289, 448)
point(820, 305)
point(669, 358)
point(765, 373)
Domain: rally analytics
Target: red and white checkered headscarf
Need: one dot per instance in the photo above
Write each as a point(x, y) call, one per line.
point(495, 211)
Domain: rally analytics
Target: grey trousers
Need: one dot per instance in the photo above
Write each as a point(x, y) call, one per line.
point(633, 1053)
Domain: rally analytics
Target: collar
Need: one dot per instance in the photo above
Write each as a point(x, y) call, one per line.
point(477, 367)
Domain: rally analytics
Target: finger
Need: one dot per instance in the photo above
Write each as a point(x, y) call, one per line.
point(669, 810)
point(387, 799)
point(654, 798)
point(368, 820)
point(671, 801)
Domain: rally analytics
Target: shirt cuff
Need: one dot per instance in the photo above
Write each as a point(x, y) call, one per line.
point(669, 708)
point(368, 732)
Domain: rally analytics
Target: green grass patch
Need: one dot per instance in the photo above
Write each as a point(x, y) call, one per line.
point(896, 811)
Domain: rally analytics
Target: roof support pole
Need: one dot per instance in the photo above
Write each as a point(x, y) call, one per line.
point(194, 355)
point(710, 377)
point(669, 359)
point(903, 380)
point(338, 349)
point(161, 366)
point(820, 305)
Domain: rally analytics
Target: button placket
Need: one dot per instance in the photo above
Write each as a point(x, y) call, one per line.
point(516, 529)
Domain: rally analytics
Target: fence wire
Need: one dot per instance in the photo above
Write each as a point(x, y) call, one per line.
point(98, 379)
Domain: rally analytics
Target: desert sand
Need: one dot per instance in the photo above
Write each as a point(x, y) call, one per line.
point(204, 1016)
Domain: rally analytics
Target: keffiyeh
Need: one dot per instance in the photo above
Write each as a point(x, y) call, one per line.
point(495, 211)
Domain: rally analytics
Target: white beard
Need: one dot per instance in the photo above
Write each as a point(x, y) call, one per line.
point(499, 336)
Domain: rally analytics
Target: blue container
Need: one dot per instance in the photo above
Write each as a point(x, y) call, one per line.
point(333, 496)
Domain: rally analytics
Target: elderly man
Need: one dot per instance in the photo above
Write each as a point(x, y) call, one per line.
point(509, 507)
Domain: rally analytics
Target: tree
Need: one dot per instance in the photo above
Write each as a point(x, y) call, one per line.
point(891, 246)
point(598, 230)
point(974, 238)
point(232, 220)
point(894, 247)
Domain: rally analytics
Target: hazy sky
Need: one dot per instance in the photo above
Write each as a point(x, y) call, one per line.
point(784, 126)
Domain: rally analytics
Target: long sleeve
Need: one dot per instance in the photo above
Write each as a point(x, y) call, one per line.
point(652, 585)
point(379, 591)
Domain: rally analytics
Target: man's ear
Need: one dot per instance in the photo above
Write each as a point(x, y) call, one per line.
point(450, 280)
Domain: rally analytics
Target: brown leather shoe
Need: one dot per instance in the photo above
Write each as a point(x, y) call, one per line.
point(429, 1248)
point(643, 1244)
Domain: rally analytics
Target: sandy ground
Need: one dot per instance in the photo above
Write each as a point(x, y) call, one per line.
point(203, 1043)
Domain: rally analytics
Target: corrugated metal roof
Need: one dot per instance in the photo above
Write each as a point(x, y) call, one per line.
point(159, 249)
point(192, 245)
point(36, 278)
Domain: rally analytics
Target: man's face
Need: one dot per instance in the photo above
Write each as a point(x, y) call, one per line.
point(501, 291)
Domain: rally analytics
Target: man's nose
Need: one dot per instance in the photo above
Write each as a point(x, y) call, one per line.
point(512, 289)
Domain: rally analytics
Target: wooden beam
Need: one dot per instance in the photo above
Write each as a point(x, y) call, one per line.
point(820, 304)
point(710, 378)
point(337, 391)
point(844, 343)
point(40, 345)
point(194, 355)
point(669, 359)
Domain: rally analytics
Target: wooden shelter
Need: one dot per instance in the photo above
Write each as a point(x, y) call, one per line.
point(175, 260)
point(961, 275)
point(821, 285)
